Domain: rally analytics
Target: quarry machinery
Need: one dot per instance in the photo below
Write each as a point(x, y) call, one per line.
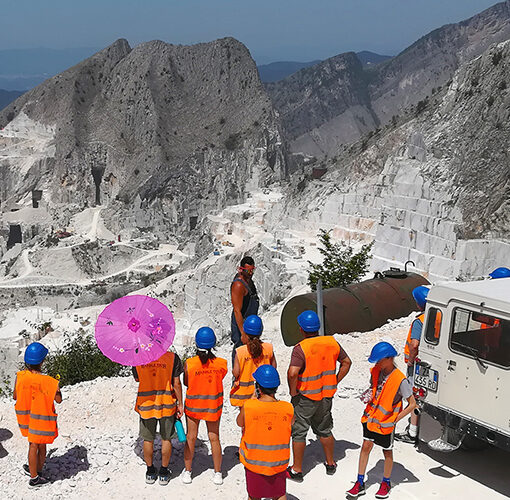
point(359, 307)
point(462, 372)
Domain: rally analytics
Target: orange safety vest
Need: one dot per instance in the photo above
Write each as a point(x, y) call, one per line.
point(204, 396)
point(318, 380)
point(156, 397)
point(380, 414)
point(492, 337)
point(35, 407)
point(421, 317)
point(265, 445)
point(246, 387)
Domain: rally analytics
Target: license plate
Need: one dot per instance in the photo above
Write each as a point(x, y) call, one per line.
point(426, 377)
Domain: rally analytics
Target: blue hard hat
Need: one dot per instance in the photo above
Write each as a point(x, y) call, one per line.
point(309, 321)
point(500, 272)
point(420, 295)
point(253, 325)
point(205, 338)
point(380, 351)
point(267, 376)
point(35, 353)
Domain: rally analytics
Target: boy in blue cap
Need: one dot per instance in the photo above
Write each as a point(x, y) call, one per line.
point(388, 387)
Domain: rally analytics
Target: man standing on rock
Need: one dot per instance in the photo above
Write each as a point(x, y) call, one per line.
point(159, 399)
point(245, 301)
point(313, 381)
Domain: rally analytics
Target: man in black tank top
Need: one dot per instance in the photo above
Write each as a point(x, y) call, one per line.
point(245, 300)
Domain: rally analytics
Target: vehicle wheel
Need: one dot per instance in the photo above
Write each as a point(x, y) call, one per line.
point(472, 443)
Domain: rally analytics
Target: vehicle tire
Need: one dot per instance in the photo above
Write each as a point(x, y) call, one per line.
point(472, 443)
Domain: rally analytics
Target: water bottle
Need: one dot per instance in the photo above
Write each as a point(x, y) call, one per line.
point(181, 435)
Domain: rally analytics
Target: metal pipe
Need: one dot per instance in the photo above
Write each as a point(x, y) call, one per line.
point(359, 307)
point(320, 307)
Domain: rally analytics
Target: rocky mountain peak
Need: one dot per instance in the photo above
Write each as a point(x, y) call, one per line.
point(377, 95)
point(189, 124)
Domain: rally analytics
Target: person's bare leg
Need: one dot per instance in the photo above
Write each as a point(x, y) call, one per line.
point(33, 449)
point(41, 457)
point(148, 450)
point(213, 431)
point(328, 444)
point(388, 462)
point(191, 438)
point(366, 448)
point(298, 451)
point(166, 452)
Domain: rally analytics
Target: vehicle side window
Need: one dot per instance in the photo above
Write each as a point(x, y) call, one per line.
point(433, 326)
point(481, 336)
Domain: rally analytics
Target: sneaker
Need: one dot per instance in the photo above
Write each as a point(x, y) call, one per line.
point(151, 476)
point(405, 437)
point(357, 490)
point(37, 481)
point(295, 476)
point(26, 470)
point(330, 469)
point(186, 476)
point(164, 476)
point(218, 478)
point(384, 490)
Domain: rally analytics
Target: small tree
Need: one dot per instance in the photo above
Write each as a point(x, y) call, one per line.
point(80, 360)
point(340, 265)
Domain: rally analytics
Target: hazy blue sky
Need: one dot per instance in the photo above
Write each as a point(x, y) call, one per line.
point(273, 30)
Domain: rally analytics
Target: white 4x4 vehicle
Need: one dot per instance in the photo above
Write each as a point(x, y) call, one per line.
point(463, 368)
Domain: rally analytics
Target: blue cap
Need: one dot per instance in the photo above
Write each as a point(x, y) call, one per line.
point(500, 272)
point(309, 321)
point(205, 338)
point(380, 351)
point(267, 376)
point(253, 325)
point(420, 295)
point(35, 353)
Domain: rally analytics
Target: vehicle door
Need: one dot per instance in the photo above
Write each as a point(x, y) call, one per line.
point(475, 374)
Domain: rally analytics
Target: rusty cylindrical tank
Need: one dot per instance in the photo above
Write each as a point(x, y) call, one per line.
point(359, 307)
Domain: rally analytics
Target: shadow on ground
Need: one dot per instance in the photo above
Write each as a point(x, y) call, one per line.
point(66, 466)
point(5, 434)
point(399, 474)
point(488, 467)
point(314, 454)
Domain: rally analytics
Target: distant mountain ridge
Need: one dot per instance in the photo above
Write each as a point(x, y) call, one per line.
point(276, 71)
point(22, 69)
point(8, 96)
point(307, 99)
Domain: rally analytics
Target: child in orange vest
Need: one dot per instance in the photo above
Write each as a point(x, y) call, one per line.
point(389, 386)
point(35, 394)
point(246, 360)
point(203, 376)
point(265, 445)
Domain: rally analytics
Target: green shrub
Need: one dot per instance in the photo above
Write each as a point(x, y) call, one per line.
point(340, 265)
point(81, 360)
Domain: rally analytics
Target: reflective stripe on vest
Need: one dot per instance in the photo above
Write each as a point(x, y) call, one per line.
point(245, 388)
point(204, 396)
point(35, 409)
point(380, 414)
point(265, 445)
point(156, 397)
point(318, 380)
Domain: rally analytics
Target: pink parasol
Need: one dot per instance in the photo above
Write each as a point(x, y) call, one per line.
point(135, 330)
